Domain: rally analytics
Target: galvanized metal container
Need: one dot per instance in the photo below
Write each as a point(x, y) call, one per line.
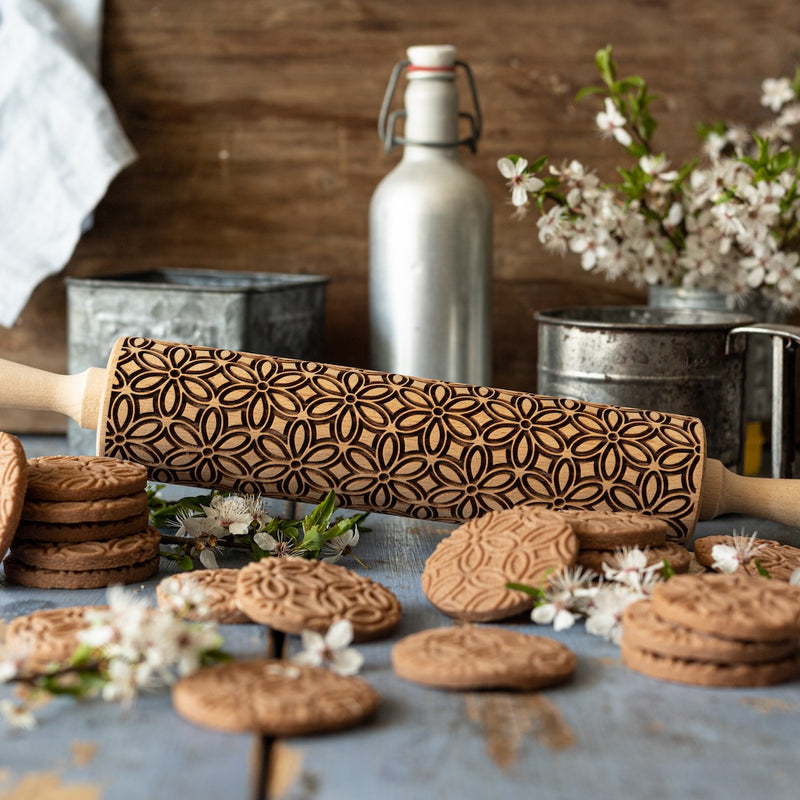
point(673, 360)
point(257, 312)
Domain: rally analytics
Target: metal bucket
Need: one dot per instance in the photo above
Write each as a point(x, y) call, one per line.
point(258, 312)
point(674, 360)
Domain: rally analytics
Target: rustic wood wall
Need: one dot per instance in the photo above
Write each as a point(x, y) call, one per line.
point(256, 127)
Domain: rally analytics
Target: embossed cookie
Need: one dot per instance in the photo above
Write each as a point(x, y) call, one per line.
point(106, 509)
point(466, 576)
point(40, 578)
point(49, 634)
point(83, 477)
point(273, 697)
point(470, 657)
point(118, 552)
point(80, 531)
point(13, 483)
point(643, 629)
point(217, 591)
point(734, 606)
point(296, 594)
point(707, 673)
point(779, 560)
point(675, 554)
point(605, 530)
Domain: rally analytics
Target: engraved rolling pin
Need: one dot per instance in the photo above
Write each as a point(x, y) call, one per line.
point(415, 447)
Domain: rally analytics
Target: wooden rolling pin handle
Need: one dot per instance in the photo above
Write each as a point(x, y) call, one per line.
point(78, 396)
point(725, 492)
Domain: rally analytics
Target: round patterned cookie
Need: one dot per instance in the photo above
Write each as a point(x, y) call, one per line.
point(107, 509)
point(216, 588)
point(81, 531)
point(118, 552)
point(643, 629)
point(13, 483)
point(297, 594)
point(470, 657)
point(49, 634)
point(707, 673)
point(83, 477)
point(465, 577)
point(605, 530)
point(273, 697)
point(734, 606)
point(779, 560)
point(675, 554)
point(40, 578)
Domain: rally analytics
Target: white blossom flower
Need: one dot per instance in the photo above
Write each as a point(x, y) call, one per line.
point(604, 616)
point(339, 546)
point(9, 668)
point(553, 229)
point(591, 248)
point(611, 122)
point(185, 597)
point(776, 92)
point(331, 650)
point(231, 512)
point(257, 509)
point(658, 167)
point(519, 182)
point(193, 523)
point(206, 554)
point(141, 647)
point(281, 546)
point(565, 598)
point(729, 557)
point(629, 567)
point(17, 715)
point(121, 686)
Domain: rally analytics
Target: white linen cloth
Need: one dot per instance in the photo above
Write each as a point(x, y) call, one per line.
point(61, 143)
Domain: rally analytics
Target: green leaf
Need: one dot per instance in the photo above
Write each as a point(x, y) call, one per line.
point(762, 571)
point(522, 587)
point(605, 65)
point(589, 90)
point(538, 164)
point(186, 563)
point(312, 541)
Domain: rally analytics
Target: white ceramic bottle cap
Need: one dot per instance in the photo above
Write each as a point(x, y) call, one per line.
point(434, 56)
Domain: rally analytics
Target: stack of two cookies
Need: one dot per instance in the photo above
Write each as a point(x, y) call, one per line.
point(716, 630)
point(601, 535)
point(84, 524)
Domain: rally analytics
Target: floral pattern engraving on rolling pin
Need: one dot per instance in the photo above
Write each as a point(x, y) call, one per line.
point(422, 448)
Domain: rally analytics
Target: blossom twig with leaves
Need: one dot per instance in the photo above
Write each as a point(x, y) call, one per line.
point(576, 593)
point(126, 648)
point(728, 220)
point(210, 524)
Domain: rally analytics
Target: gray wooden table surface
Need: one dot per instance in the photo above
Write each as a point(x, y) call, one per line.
point(609, 733)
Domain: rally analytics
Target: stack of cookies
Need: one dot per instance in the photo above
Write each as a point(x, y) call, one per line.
point(601, 535)
point(715, 630)
point(84, 524)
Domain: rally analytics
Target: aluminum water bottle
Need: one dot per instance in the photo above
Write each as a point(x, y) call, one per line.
point(430, 233)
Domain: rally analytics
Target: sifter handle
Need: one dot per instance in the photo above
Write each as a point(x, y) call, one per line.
point(78, 396)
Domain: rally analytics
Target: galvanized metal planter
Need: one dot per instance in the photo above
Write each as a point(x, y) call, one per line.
point(268, 313)
point(672, 360)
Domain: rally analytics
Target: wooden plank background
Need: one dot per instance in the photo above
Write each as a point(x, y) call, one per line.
point(255, 123)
